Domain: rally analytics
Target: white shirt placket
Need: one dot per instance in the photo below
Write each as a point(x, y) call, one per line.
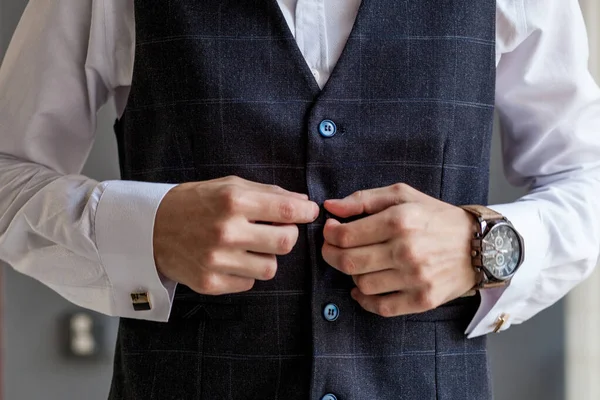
point(311, 37)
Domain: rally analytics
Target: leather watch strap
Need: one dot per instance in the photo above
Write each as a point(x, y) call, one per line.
point(482, 212)
point(484, 283)
point(495, 284)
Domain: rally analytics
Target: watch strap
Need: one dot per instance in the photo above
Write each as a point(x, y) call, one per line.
point(490, 285)
point(484, 286)
point(482, 212)
point(485, 283)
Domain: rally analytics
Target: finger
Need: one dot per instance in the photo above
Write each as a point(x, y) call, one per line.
point(373, 229)
point(400, 303)
point(381, 282)
point(358, 260)
point(244, 264)
point(270, 239)
point(262, 187)
point(272, 207)
point(390, 305)
point(219, 284)
point(370, 201)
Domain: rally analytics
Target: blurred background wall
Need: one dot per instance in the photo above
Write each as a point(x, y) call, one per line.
point(582, 306)
point(528, 361)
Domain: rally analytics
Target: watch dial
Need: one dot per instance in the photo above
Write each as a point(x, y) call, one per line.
point(501, 251)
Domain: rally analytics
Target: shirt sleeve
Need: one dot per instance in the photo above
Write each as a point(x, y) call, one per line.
point(549, 108)
point(89, 241)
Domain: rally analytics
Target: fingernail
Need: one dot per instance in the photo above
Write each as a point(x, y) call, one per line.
point(316, 210)
point(332, 221)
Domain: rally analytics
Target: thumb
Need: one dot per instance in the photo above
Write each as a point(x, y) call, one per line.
point(370, 201)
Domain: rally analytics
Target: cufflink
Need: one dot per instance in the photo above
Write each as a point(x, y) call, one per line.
point(500, 322)
point(141, 301)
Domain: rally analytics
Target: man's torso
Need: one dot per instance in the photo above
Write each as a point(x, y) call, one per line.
point(222, 88)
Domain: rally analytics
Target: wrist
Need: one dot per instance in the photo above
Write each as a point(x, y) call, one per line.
point(473, 224)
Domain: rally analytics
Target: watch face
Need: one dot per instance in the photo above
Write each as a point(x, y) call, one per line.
point(501, 251)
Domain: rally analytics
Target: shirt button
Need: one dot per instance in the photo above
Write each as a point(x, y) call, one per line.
point(327, 128)
point(329, 397)
point(316, 74)
point(331, 312)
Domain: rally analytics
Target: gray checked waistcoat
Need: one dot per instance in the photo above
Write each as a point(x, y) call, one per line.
point(220, 88)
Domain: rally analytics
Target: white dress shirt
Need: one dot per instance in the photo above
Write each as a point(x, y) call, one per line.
point(91, 241)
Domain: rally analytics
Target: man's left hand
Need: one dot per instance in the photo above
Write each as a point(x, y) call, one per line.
point(410, 255)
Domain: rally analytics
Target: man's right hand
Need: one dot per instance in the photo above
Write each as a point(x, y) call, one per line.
point(219, 236)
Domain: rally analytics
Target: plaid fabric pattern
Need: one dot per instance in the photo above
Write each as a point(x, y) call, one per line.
point(220, 88)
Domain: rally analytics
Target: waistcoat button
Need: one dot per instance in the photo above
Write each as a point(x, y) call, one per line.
point(329, 396)
point(331, 312)
point(327, 128)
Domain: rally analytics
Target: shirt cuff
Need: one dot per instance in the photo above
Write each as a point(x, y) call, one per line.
point(507, 302)
point(124, 228)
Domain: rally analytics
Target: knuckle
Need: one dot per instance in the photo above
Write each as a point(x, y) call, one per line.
point(386, 309)
point(359, 194)
point(286, 243)
point(275, 188)
point(402, 219)
point(224, 233)
point(411, 214)
point(411, 255)
point(287, 211)
point(399, 188)
point(211, 259)
point(426, 300)
point(208, 284)
point(396, 221)
point(344, 237)
point(232, 179)
point(428, 285)
point(347, 264)
point(421, 277)
point(231, 198)
point(364, 284)
point(270, 270)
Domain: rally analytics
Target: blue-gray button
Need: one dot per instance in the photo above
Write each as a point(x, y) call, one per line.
point(327, 128)
point(331, 312)
point(329, 397)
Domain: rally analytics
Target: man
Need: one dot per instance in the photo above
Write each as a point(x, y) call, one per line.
point(301, 212)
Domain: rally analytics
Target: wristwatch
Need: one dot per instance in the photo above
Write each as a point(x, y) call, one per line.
point(497, 249)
